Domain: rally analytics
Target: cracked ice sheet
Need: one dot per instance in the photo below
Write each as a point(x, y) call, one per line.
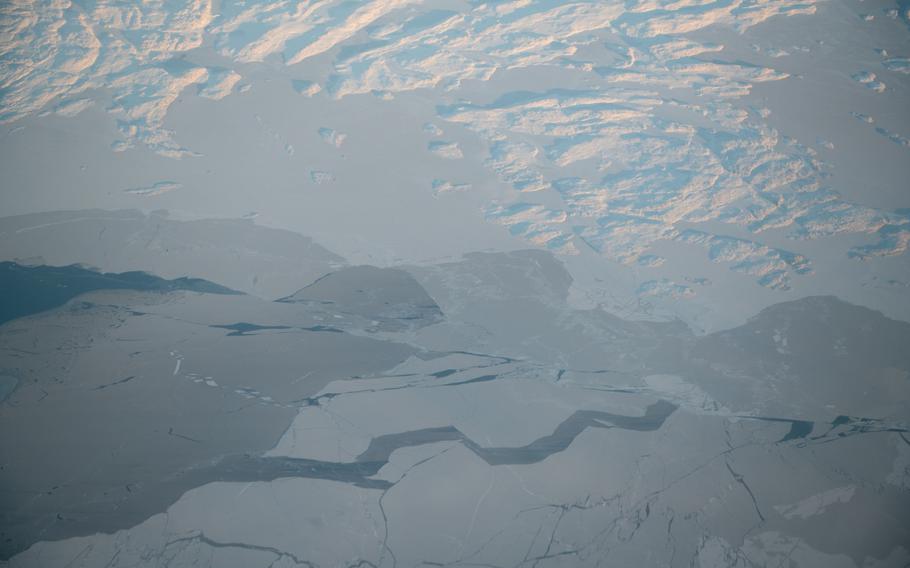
point(507, 506)
point(632, 497)
point(288, 522)
point(518, 407)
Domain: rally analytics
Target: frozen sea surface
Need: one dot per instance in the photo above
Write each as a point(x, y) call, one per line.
point(400, 283)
